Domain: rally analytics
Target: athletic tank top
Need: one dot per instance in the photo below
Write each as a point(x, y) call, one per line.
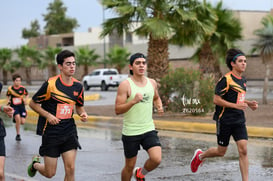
point(138, 119)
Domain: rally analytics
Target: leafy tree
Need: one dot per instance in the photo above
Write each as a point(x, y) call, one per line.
point(6, 63)
point(34, 30)
point(56, 20)
point(28, 57)
point(264, 45)
point(160, 21)
point(49, 60)
point(86, 57)
point(213, 45)
point(118, 57)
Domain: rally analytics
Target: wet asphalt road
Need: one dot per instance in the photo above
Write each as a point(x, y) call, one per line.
point(101, 157)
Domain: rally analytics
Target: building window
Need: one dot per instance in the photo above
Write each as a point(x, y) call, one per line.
point(69, 41)
point(129, 38)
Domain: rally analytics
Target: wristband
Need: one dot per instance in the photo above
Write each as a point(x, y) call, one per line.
point(2, 108)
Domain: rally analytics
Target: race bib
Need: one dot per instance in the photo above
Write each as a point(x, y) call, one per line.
point(16, 101)
point(64, 111)
point(241, 98)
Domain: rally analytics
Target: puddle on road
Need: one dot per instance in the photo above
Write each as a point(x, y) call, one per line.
point(180, 145)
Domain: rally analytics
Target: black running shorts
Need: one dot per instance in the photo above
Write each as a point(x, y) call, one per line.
point(2, 147)
point(131, 144)
point(21, 110)
point(224, 131)
point(55, 146)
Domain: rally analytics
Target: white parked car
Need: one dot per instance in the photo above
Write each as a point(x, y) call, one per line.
point(104, 78)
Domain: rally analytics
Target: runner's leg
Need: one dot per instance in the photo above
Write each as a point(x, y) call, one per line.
point(154, 158)
point(2, 166)
point(127, 171)
point(243, 158)
point(23, 120)
point(69, 158)
point(48, 169)
point(17, 124)
point(214, 152)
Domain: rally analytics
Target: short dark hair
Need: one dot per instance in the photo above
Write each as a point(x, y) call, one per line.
point(134, 57)
point(62, 55)
point(232, 55)
point(15, 76)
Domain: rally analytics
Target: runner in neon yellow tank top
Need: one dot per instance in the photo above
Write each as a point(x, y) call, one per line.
point(135, 99)
point(138, 119)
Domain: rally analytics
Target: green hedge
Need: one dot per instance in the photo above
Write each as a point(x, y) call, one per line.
point(187, 92)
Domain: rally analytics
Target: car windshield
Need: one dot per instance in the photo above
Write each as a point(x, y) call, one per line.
point(95, 73)
point(110, 72)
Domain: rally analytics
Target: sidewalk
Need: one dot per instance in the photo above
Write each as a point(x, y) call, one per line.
point(259, 122)
point(195, 124)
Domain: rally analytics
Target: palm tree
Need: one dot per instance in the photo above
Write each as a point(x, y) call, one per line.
point(49, 60)
point(5, 58)
point(118, 57)
point(28, 57)
point(86, 57)
point(157, 20)
point(213, 46)
point(264, 45)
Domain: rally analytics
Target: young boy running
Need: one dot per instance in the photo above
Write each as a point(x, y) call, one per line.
point(229, 115)
point(17, 96)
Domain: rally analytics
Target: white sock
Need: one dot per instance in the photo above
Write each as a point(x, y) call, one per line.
point(144, 171)
point(199, 157)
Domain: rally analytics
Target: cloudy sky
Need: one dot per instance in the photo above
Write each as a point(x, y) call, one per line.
point(17, 14)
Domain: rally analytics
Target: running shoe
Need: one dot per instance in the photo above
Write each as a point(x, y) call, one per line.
point(18, 138)
point(195, 161)
point(138, 175)
point(31, 170)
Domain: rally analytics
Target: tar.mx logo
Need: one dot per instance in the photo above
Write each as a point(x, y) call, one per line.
point(187, 102)
point(190, 101)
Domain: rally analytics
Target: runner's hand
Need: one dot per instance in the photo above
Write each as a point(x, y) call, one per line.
point(8, 110)
point(138, 98)
point(160, 111)
point(253, 105)
point(52, 119)
point(84, 117)
point(241, 106)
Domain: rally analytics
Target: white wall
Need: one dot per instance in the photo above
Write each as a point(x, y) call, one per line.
point(91, 37)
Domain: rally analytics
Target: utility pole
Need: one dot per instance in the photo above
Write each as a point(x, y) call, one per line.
point(104, 43)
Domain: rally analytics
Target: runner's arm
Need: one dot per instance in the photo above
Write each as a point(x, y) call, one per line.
point(218, 100)
point(26, 99)
point(121, 106)
point(42, 112)
point(157, 99)
point(82, 113)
